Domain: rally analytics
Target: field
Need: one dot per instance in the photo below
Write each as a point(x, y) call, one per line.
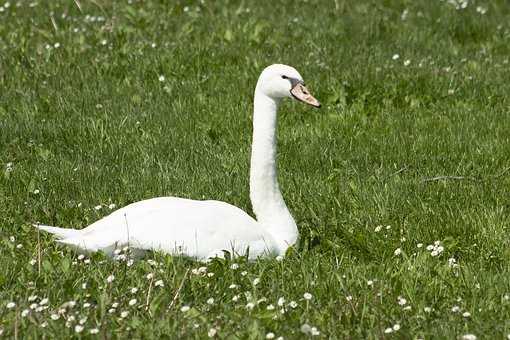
point(400, 184)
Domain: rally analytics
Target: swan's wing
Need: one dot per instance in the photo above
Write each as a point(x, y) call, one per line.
point(177, 226)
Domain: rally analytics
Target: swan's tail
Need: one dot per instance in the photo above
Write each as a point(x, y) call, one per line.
point(60, 233)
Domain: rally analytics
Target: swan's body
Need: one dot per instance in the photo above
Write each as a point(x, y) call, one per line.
point(205, 229)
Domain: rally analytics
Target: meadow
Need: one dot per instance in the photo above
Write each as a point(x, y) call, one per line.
point(399, 184)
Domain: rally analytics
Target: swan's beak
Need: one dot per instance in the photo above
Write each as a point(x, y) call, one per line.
point(301, 93)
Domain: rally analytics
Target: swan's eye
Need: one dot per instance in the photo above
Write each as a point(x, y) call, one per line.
point(285, 77)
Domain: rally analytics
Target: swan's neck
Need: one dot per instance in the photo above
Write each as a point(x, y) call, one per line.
point(265, 195)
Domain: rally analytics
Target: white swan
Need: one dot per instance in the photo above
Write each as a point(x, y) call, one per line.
point(205, 229)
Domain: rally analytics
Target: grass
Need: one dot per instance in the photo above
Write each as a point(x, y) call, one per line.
point(85, 121)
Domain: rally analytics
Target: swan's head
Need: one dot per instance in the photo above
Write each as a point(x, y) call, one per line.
point(279, 81)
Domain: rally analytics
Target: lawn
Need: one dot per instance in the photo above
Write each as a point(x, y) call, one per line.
point(400, 184)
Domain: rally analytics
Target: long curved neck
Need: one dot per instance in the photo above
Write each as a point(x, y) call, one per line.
point(267, 201)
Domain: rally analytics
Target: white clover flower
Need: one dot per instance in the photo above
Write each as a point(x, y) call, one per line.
point(159, 283)
point(110, 278)
point(153, 45)
point(466, 314)
point(270, 307)
point(10, 305)
point(388, 330)
point(256, 281)
point(244, 273)
point(124, 314)
point(378, 228)
point(86, 305)
point(455, 309)
point(395, 57)
point(212, 332)
point(468, 337)
point(307, 296)
point(396, 327)
point(32, 298)
point(12, 239)
point(250, 305)
point(407, 62)
point(281, 301)
point(184, 309)
point(111, 310)
point(25, 312)
point(115, 305)
point(235, 298)
point(134, 290)
point(81, 257)
point(232, 286)
point(419, 245)
point(293, 304)
point(370, 283)
point(78, 328)
point(32, 262)
point(44, 301)
point(305, 328)
point(314, 331)
point(210, 274)
point(36, 191)
point(132, 302)
point(83, 320)
point(401, 301)
point(97, 207)
point(94, 331)
point(397, 252)
point(430, 247)
point(161, 78)
point(112, 206)
point(270, 335)
point(348, 298)
point(234, 266)
point(44, 324)
point(150, 276)
point(407, 308)
point(19, 246)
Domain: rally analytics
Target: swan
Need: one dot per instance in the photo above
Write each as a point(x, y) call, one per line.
point(206, 229)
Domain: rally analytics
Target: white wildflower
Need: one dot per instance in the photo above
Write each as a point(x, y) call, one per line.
point(397, 252)
point(54, 317)
point(110, 279)
point(159, 283)
point(78, 328)
point(250, 305)
point(212, 332)
point(184, 309)
point(210, 301)
point(466, 314)
point(307, 296)
point(161, 78)
point(94, 331)
point(256, 281)
point(395, 57)
point(10, 305)
point(468, 337)
point(25, 312)
point(455, 309)
point(270, 335)
point(124, 314)
point(396, 327)
point(132, 302)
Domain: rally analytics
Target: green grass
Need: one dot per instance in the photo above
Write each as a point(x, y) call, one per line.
point(89, 123)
